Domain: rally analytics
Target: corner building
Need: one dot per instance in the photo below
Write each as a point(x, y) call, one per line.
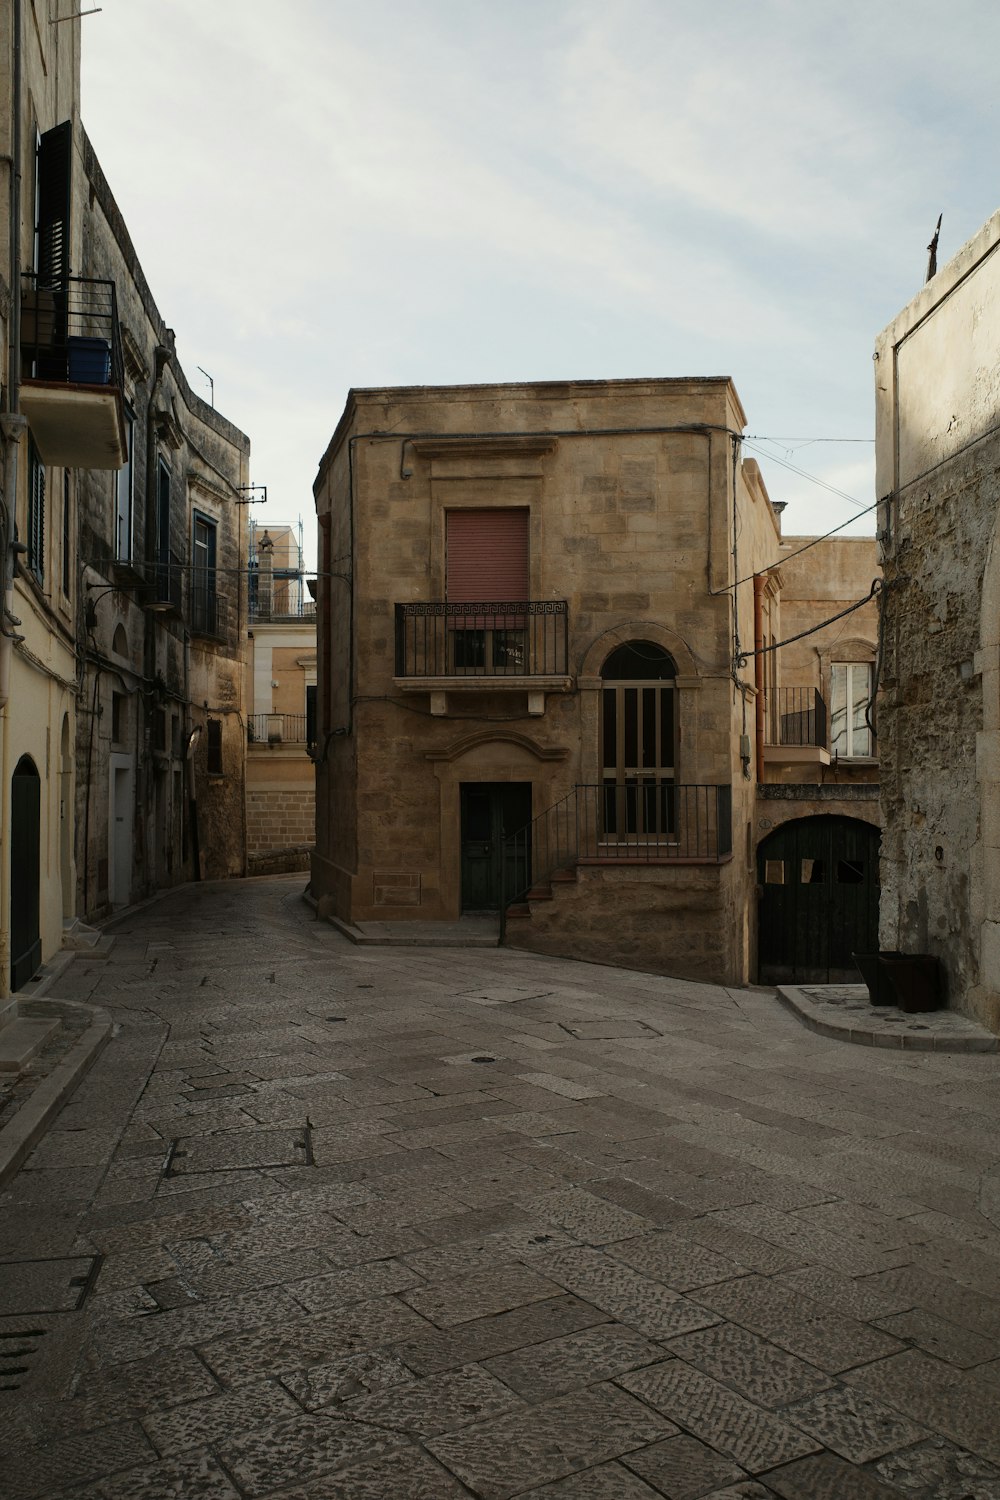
point(534, 608)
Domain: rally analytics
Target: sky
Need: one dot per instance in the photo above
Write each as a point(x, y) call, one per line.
point(326, 194)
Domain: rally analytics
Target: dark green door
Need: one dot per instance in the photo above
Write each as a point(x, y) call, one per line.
point(819, 899)
point(25, 869)
point(491, 811)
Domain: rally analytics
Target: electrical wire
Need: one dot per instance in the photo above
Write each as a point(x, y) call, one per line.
point(804, 474)
point(877, 587)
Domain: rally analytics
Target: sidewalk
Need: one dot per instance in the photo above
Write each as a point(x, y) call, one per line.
point(379, 1223)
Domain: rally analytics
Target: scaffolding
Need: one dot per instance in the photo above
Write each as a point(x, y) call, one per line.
point(276, 574)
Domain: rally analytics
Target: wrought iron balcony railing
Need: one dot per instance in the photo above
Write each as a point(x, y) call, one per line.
point(796, 716)
point(505, 639)
point(70, 333)
point(280, 729)
point(642, 820)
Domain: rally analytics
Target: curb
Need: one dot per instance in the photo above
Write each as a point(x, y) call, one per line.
point(21, 1134)
point(972, 1038)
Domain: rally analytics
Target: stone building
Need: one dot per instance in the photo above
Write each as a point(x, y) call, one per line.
point(161, 743)
point(938, 473)
point(543, 670)
point(118, 520)
point(281, 695)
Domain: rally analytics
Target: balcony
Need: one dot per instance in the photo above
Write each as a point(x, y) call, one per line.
point(209, 613)
point(71, 372)
point(796, 727)
point(517, 644)
point(281, 729)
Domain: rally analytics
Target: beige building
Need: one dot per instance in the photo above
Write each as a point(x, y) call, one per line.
point(281, 694)
point(120, 652)
point(544, 676)
point(938, 455)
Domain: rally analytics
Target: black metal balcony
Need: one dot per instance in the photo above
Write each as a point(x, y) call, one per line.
point(280, 729)
point(208, 613)
point(72, 372)
point(509, 639)
point(797, 717)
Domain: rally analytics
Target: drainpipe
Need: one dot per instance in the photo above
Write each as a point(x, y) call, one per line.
point(13, 423)
point(759, 580)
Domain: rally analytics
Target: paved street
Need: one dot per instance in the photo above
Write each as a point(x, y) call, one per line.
point(338, 1223)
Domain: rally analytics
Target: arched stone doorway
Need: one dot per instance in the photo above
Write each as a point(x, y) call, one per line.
point(25, 872)
point(819, 895)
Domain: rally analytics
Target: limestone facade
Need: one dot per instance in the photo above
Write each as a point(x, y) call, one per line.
point(938, 473)
point(619, 698)
point(281, 694)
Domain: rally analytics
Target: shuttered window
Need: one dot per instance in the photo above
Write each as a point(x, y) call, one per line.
point(36, 513)
point(487, 556)
point(52, 209)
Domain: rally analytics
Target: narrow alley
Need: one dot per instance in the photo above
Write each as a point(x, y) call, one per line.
point(329, 1222)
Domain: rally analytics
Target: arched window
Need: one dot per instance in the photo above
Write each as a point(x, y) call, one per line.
point(119, 644)
point(639, 740)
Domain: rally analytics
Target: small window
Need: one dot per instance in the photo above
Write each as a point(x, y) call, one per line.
point(159, 729)
point(311, 715)
point(119, 718)
point(850, 872)
point(215, 747)
point(812, 872)
point(774, 872)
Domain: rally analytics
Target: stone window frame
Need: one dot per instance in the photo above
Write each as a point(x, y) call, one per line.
point(854, 651)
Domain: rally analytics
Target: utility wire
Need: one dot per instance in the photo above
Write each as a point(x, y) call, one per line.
point(873, 593)
point(803, 474)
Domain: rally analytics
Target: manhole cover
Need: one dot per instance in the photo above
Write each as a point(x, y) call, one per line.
point(47, 1286)
point(239, 1150)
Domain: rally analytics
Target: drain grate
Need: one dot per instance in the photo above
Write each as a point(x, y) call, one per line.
point(17, 1345)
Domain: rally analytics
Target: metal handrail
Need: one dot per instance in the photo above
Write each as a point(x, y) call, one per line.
point(797, 716)
point(642, 820)
point(492, 638)
point(70, 334)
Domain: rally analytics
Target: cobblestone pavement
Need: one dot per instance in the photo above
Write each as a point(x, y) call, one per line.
point(339, 1223)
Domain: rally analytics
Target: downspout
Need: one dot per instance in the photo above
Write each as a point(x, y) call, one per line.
point(13, 422)
point(759, 581)
point(160, 356)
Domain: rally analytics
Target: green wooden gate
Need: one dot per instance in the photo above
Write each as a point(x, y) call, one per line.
point(819, 899)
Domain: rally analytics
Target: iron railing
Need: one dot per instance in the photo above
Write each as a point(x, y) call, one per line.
point(208, 612)
point(505, 639)
point(279, 729)
point(645, 821)
point(70, 333)
point(796, 716)
point(281, 609)
point(166, 585)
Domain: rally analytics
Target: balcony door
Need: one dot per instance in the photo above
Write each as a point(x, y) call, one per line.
point(638, 742)
point(486, 562)
point(25, 872)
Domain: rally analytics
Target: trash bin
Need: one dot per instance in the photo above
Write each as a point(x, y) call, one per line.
point(915, 980)
point(89, 361)
point(880, 992)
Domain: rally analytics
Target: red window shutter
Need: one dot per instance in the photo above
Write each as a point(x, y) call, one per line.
point(487, 556)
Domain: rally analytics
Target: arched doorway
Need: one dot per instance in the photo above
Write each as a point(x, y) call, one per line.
point(819, 900)
point(638, 740)
point(25, 870)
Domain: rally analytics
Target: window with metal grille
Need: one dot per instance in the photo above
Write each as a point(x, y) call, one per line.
point(36, 513)
point(638, 740)
point(214, 729)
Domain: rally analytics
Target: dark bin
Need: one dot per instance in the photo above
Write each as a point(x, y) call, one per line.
point(89, 361)
point(915, 979)
point(880, 991)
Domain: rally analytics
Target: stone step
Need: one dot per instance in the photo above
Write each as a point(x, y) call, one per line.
point(20, 1039)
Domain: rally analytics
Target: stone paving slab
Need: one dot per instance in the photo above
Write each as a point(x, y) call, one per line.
point(568, 1231)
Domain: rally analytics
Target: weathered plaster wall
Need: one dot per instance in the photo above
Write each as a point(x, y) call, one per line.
point(938, 405)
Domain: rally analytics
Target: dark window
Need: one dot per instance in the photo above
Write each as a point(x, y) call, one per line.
point(159, 729)
point(311, 714)
point(850, 872)
point(215, 747)
point(52, 207)
point(119, 711)
point(36, 513)
point(204, 602)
